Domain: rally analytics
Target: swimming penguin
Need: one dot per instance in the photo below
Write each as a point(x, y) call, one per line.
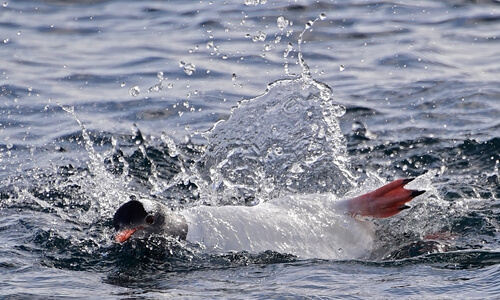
point(311, 226)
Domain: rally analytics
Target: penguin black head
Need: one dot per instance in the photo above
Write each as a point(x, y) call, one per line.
point(130, 214)
point(143, 217)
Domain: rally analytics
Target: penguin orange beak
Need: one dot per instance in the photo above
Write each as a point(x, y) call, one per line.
point(124, 235)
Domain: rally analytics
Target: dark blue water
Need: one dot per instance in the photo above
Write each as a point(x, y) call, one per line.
point(103, 100)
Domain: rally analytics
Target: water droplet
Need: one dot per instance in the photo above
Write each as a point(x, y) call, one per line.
point(19, 32)
point(289, 48)
point(296, 168)
point(156, 88)
point(282, 22)
point(189, 68)
point(210, 44)
point(325, 94)
point(224, 56)
point(170, 85)
point(278, 151)
point(252, 2)
point(341, 68)
point(5, 41)
point(123, 84)
point(5, 4)
point(134, 91)
point(260, 37)
point(322, 16)
point(233, 78)
point(160, 75)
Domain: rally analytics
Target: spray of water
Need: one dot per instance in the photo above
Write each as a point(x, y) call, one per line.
point(285, 142)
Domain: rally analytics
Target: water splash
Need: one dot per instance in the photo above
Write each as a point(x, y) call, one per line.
point(286, 141)
point(306, 73)
point(106, 190)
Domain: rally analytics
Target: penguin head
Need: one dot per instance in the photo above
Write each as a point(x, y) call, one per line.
point(141, 218)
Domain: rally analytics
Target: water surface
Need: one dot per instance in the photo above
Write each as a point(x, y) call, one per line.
point(101, 100)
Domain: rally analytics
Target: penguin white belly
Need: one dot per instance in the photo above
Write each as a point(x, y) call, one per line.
point(309, 226)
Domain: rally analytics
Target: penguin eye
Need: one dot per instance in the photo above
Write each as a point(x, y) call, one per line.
point(150, 219)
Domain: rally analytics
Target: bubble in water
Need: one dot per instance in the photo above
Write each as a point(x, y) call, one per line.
point(5, 41)
point(170, 85)
point(134, 91)
point(282, 22)
point(278, 151)
point(233, 78)
point(341, 68)
point(5, 4)
point(322, 16)
point(160, 75)
point(123, 84)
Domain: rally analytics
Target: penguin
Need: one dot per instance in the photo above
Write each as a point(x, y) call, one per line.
point(307, 226)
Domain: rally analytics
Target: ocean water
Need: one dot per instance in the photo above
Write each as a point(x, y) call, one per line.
point(239, 102)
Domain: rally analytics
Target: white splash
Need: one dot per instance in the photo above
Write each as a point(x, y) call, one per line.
point(312, 226)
